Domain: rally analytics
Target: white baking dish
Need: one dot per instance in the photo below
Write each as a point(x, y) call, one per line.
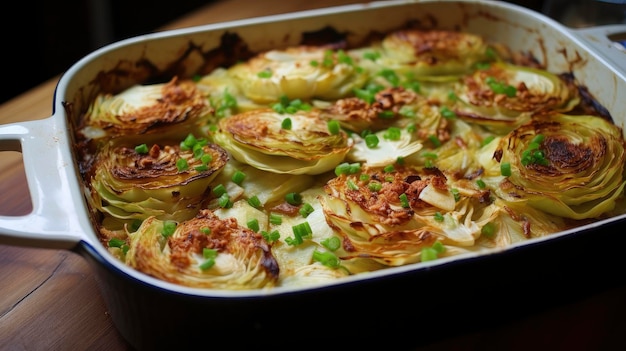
point(140, 304)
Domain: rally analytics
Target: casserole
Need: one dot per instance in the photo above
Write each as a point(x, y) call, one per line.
point(134, 295)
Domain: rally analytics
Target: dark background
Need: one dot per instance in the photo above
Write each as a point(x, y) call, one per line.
point(42, 39)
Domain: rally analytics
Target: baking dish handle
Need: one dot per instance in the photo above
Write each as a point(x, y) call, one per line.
point(607, 40)
point(53, 222)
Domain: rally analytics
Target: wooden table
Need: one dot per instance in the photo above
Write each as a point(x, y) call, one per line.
point(49, 299)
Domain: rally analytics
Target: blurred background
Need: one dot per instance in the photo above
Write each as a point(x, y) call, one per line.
point(42, 39)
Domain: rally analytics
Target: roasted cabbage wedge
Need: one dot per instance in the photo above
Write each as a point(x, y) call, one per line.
point(164, 180)
point(569, 166)
point(303, 72)
point(502, 96)
point(203, 252)
point(304, 165)
point(390, 215)
point(141, 109)
point(426, 54)
point(261, 139)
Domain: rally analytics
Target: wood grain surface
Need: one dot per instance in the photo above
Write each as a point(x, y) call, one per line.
point(49, 299)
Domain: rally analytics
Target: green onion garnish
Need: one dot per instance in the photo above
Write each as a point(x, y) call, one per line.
point(276, 219)
point(333, 127)
point(326, 258)
point(253, 224)
point(141, 149)
point(505, 169)
point(306, 210)
point(254, 202)
point(333, 243)
point(168, 228)
point(293, 199)
point(238, 177)
point(182, 164)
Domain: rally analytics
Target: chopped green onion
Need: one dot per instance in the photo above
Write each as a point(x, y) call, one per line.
point(224, 201)
point(209, 253)
point(300, 231)
point(438, 217)
point(430, 155)
point(389, 168)
point(452, 96)
point(134, 226)
point(189, 142)
point(404, 201)
point(386, 114)
point(342, 57)
point(265, 74)
point(393, 133)
point(428, 254)
point(372, 55)
point(141, 149)
point(505, 169)
point(481, 184)
point(374, 186)
point(488, 230)
point(538, 139)
point(500, 87)
point(238, 177)
point(447, 112)
point(347, 168)
point(456, 194)
point(286, 124)
point(391, 76)
point(532, 154)
point(328, 59)
point(438, 246)
point(365, 95)
point(306, 210)
point(482, 65)
point(198, 150)
point(303, 229)
point(219, 190)
point(168, 228)
point(433, 139)
point(115, 242)
point(270, 236)
point(342, 168)
point(207, 264)
point(371, 141)
point(354, 168)
point(293, 199)
point(206, 159)
point(406, 111)
point(326, 258)
point(254, 202)
point(253, 224)
point(351, 185)
point(333, 243)
point(413, 85)
point(276, 219)
point(182, 164)
point(333, 127)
